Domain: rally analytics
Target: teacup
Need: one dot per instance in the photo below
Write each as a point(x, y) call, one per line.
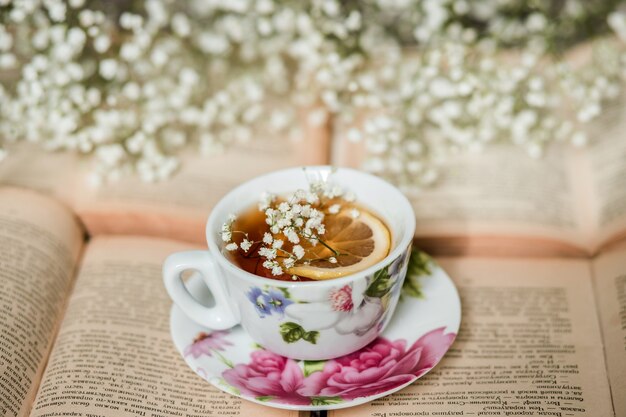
point(311, 320)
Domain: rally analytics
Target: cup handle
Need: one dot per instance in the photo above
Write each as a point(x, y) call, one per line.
point(220, 316)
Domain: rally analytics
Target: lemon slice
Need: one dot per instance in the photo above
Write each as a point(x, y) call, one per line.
point(361, 242)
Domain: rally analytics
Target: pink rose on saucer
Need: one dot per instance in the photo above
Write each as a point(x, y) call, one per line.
point(379, 367)
point(269, 375)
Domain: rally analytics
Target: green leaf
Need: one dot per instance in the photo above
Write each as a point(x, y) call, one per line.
point(285, 292)
point(325, 400)
point(313, 366)
point(381, 284)
point(420, 265)
point(264, 398)
point(291, 332)
point(311, 336)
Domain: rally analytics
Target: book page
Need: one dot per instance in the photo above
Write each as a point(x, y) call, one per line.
point(608, 165)
point(498, 201)
point(40, 242)
point(609, 270)
point(529, 344)
point(114, 354)
point(175, 208)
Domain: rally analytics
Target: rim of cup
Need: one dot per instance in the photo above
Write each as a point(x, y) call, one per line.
point(216, 250)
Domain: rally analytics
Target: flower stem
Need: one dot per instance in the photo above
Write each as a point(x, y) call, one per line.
point(335, 252)
point(223, 359)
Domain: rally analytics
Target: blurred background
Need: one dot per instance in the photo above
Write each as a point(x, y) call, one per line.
point(168, 104)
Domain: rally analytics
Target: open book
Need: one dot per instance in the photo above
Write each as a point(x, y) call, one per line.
point(85, 331)
point(84, 321)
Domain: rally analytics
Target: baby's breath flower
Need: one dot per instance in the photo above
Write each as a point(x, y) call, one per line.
point(283, 207)
point(231, 246)
point(312, 198)
point(245, 245)
point(125, 87)
point(268, 253)
point(292, 235)
point(278, 243)
point(354, 213)
point(226, 236)
point(334, 209)
point(267, 238)
point(332, 260)
point(298, 251)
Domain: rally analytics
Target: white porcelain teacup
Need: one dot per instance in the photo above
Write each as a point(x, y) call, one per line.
point(311, 320)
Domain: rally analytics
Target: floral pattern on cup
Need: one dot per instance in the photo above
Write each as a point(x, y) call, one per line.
point(269, 301)
point(376, 368)
point(349, 309)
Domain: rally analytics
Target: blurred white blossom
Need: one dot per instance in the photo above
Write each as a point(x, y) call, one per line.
point(133, 86)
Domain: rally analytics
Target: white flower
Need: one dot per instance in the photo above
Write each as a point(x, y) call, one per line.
point(130, 52)
point(292, 235)
point(455, 95)
point(283, 207)
point(354, 213)
point(332, 260)
point(108, 69)
point(231, 246)
point(226, 236)
point(298, 251)
point(334, 209)
point(311, 198)
point(245, 245)
point(268, 253)
point(278, 243)
point(267, 238)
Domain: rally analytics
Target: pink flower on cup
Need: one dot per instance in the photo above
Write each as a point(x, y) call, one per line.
point(269, 375)
point(341, 299)
point(207, 343)
point(379, 367)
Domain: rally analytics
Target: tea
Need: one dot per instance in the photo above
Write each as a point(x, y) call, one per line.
point(302, 239)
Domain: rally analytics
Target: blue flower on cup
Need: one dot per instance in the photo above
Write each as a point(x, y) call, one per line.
point(268, 302)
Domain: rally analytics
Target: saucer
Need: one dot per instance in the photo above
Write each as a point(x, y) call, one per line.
point(421, 331)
